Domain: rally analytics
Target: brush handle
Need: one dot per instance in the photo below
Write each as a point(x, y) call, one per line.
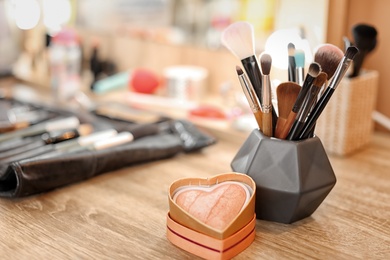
point(267, 124)
point(259, 119)
point(287, 126)
point(317, 110)
point(291, 69)
point(279, 126)
point(295, 129)
point(252, 69)
point(357, 63)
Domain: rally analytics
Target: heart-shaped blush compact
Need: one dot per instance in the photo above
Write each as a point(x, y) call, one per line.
point(217, 206)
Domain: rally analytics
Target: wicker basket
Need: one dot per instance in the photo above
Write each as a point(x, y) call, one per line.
point(346, 124)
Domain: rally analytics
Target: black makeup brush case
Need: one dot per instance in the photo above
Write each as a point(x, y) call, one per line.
point(157, 140)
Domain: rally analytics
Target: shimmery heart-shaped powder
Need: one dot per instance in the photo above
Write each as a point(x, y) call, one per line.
point(216, 206)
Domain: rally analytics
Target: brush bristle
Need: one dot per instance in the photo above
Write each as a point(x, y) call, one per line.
point(299, 58)
point(320, 79)
point(265, 63)
point(291, 49)
point(314, 69)
point(351, 52)
point(364, 30)
point(287, 93)
point(329, 57)
point(239, 39)
point(239, 70)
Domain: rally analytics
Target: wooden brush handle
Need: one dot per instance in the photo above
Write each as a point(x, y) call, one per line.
point(279, 126)
point(267, 124)
point(287, 126)
point(259, 119)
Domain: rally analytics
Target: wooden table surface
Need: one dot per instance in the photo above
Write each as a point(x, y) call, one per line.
point(122, 214)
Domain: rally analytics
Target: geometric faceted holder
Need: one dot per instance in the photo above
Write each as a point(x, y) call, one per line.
point(292, 177)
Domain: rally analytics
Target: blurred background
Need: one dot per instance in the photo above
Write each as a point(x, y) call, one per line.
point(154, 47)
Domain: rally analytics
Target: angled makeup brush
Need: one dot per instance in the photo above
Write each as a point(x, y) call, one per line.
point(324, 99)
point(239, 39)
point(310, 100)
point(250, 95)
point(312, 73)
point(299, 57)
point(364, 36)
point(287, 93)
point(266, 104)
point(329, 57)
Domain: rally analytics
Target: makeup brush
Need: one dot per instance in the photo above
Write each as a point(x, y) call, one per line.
point(299, 57)
point(314, 70)
point(250, 95)
point(48, 138)
point(329, 57)
point(53, 125)
point(266, 104)
point(239, 39)
point(310, 100)
point(50, 151)
point(364, 36)
point(287, 93)
point(291, 62)
point(325, 97)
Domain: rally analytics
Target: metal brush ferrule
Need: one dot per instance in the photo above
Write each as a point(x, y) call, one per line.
point(340, 72)
point(249, 92)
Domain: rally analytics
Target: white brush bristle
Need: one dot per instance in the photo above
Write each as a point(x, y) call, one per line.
point(239, 39)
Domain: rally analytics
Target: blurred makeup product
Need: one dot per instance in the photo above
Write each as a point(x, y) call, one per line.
point(325, 97)
point(287, 93)
point(291, 62)
point(299, 57)
point(184, 82)
point(309, 102)
point(113, 82)
point(144, 81)
point(266, 104)
point(364, 36)
point(53, 125)
point(250, 95)
point(313, 72)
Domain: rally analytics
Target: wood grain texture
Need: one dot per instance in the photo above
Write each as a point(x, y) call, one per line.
point(122, 214)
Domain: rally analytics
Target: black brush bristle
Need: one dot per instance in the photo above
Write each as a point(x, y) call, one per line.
point(239, 70)
point(351, 52)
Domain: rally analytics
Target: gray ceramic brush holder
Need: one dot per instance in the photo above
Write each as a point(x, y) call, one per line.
point(292, 177)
